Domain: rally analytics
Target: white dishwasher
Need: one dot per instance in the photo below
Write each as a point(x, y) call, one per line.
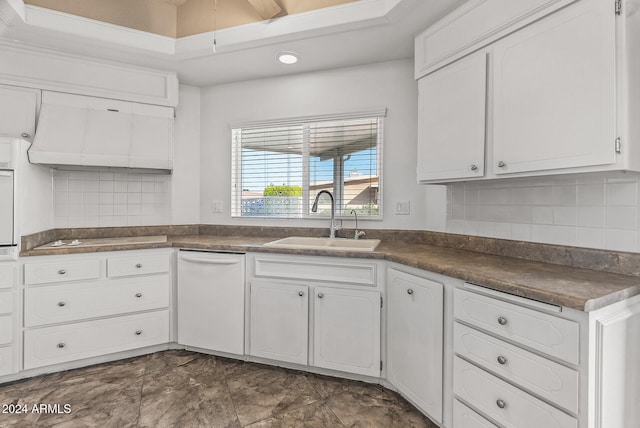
point(211, 301)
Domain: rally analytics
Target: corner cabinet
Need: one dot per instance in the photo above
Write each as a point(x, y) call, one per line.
point(549, 99)
point(322, 312)
point(415, 339)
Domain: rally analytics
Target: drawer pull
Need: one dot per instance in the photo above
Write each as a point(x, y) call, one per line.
point(502, 320)
point(138, 295)
point(409, 291)
point(300, 293)
point(62, 272)
point(320, 295)
point(61, 345)
point(502, 360)
point(138, 332)
point(138, 266)
point(501, 404)
point(61, 304)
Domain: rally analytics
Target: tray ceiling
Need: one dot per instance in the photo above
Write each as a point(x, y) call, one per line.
point(180, 18)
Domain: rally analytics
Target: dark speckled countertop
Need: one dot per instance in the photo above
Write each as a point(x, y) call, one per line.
point(569, 286)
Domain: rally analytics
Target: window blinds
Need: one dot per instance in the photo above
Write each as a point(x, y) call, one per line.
point(279, 168)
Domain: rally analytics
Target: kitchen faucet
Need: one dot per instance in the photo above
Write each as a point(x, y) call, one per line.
point(358, 233)
point(314, 208)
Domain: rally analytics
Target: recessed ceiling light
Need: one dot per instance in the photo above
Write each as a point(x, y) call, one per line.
point(287, 57)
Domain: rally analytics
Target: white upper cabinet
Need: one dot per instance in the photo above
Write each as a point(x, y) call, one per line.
point(18, 111)
point(451, 126)
point(152, 134)
point(555, 85)
point(554, 99)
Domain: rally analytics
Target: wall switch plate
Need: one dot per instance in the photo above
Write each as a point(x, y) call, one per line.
point(402, 207)
point(216, 206)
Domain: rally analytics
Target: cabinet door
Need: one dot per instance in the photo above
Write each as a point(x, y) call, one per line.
point(414, 339)
point(279, 321)
point(18, 111)
point(451, 120)
point(211, 301)
point(346, 330)
point(554, 92)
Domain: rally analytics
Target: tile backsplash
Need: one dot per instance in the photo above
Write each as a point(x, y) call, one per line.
point(591, 210)
point(92, 199)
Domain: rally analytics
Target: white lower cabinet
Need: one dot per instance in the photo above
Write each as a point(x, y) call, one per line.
point(59, 344)
point(338, 321)
point(346, 330)
point(9, 319)
point(415, 339)
point(523, 363)
point(211, 301)
point(464, 417)
point(279, 321)
point(73, 310)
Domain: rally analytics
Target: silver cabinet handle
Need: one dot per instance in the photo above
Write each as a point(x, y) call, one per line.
point(320, 295)
point(473, 167)
point(138, 266)
point(138, 332)
point(61, 304)
point(62, 272)
point(138, 295)
point(502, 320)
point(24, 135)
point(409, 291)
point(501, 404)
point(501, 164)
point(502, 360)
point(300, 293)
point(61, 345)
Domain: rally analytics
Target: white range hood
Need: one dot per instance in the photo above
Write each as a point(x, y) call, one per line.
point(80, 132)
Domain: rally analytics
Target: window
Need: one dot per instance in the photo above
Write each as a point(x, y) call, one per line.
point(279, 167)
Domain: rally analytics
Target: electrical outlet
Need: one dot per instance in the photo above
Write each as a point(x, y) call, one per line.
point(216, 206)
point(402, 207)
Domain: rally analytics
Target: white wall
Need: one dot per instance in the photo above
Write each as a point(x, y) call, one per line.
point(389, 85)
point(185, 182)
point(589, 210)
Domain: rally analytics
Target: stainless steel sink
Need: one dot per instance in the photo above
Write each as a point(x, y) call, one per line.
point(315, 243)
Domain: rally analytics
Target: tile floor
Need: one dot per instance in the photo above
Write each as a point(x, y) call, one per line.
point(186, 389)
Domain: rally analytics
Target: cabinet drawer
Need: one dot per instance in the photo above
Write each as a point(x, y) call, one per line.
point(550, 380)
point(62, 271)
point(8, 275)
point(72, 302)
point(6, 302)
point(6, 329)
point(300, 268)
point(546, 333)
point(52, 345)
point(464, 417)
point(137, 265)
point(506, 404)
